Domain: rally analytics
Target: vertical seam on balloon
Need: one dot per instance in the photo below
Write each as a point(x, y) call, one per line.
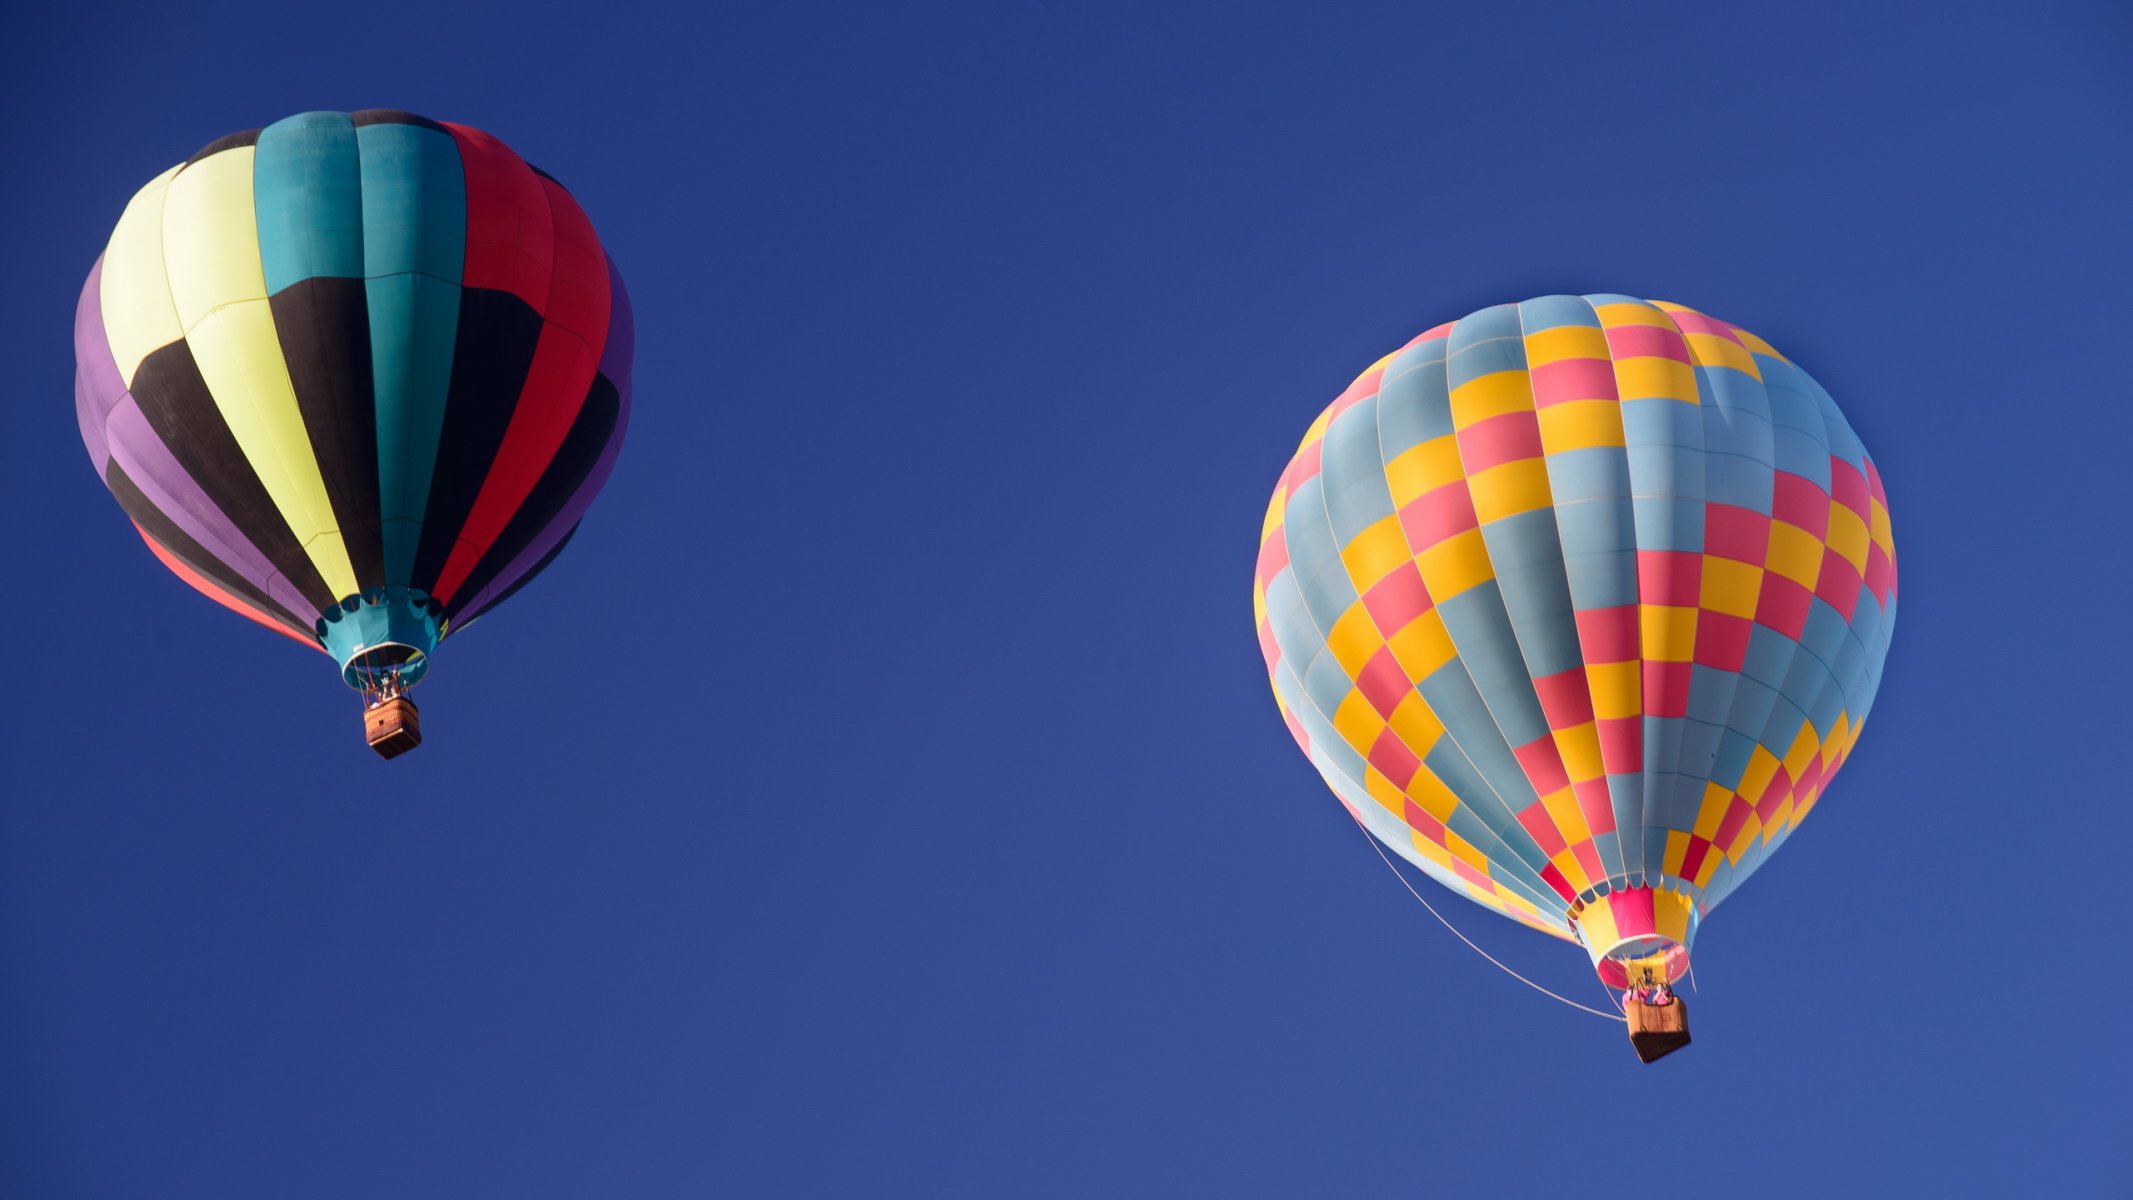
point(461, 138)
point(1443, 364)
point(1753, 856)
point(1832, 416)
point(1518, 639)
point(1449, 878)
point(386, 574)
point(1731, 873)
point(1656, 782)
point(1465, 482)
point(549, 497)
point(1378, 430)
point(547, 305)
point(407, 443)
point(1730, 679)
point(1457, 885)
point(496, 456)
point(1760, 851)
point(493, 592)
point(161, 264)
point(555, 284)
point(1629, 465)
point(274, 448)
point(177, 320)
point(103, 339)
point(1555, 510)
point(362, 234)
point(1871, 658)
point(342, 468)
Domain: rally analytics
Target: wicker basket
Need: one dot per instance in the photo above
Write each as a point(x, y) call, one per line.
point(1657, 1030)
point(393, 728)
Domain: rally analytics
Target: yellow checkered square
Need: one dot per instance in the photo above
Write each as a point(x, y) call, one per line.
point(1762, 766)
point(1455, 564)
point(1415, 724)
point(1358, 724)
point(1423, 468)
point(1669, 632)
point(1628, 313)
point(1353, 639)
point(1711, 350)
point(1385, 792)
point(1431, 795)
point(1677, 850)
point(1645, 377)
point(1375, 552)
point(1848, 536)
point(1794, 553)
point(1579, 747)
point(1491, 395)
point(1565, 341)
point(1730, 587)
point(1580, 425)
point(1422, 646)
point(1716, 800)
point(1562, 806)
point(1670, 914)
point(1804, 749)
point(1617, 689)
point(1511, 488)
point(1574, 871)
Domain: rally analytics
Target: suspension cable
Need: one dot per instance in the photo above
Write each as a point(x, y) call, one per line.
point(1396, 874)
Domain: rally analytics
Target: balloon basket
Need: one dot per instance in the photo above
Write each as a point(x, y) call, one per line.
point(393, 726)
point(1657, 1030)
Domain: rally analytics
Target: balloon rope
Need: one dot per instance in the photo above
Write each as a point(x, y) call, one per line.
point(1462, 937)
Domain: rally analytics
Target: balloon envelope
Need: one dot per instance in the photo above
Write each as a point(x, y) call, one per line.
point(1579, 604)
point(355, 376)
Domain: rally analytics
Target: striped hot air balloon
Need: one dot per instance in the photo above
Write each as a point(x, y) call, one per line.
point(1579, 605)
point(356, 377)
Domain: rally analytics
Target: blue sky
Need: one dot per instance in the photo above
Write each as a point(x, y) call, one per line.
point(927, 827)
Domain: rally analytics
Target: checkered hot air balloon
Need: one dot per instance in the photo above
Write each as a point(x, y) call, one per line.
point(356, 377)
point(1578, 605)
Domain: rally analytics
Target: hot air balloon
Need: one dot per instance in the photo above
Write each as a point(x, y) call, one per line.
point(1579, 605)
point(356, 377)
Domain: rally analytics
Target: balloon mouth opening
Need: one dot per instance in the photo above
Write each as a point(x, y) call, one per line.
point(1638, 936)
point(383, 637)
point(1642, 961)
point(385, 666)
